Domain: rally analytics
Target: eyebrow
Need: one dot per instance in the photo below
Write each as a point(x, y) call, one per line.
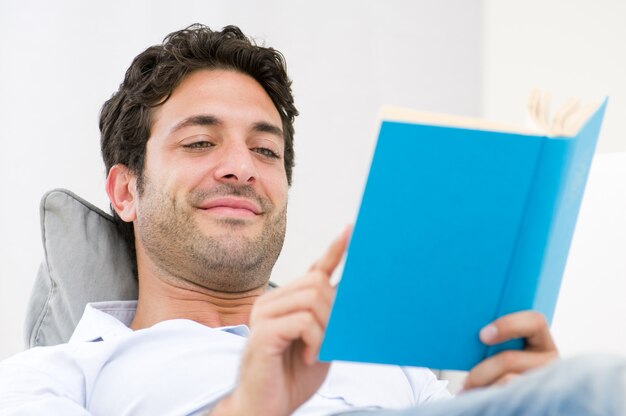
point(264, 127)
point(197, 120)
point(210, 120)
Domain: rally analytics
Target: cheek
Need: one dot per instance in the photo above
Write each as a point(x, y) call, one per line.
point(277, 189)
point(185, 177)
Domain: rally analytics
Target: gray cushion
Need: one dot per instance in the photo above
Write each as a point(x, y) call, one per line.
point(85, 260)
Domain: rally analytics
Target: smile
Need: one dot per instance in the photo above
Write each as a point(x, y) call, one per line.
point(232, 207)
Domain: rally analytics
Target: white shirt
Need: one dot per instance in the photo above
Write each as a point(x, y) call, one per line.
point(176, 367)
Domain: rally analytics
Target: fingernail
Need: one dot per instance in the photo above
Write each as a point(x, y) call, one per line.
point(488, 333)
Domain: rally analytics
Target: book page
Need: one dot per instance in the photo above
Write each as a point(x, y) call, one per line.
point(437, 119)
point(566, 121)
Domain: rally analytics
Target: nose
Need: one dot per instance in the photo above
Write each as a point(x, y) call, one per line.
point(236, 165)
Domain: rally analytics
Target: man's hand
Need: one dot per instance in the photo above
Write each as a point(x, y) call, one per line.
point(279, 368)
point(539, 351)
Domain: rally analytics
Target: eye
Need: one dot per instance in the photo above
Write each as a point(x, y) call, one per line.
point(200, 144)
point(264, 151)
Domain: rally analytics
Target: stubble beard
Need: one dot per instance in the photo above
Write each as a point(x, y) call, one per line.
point(228, 262)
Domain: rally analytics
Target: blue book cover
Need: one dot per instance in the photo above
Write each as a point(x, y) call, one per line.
point(457, 227)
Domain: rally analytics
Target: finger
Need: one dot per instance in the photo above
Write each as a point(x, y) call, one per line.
point(312, 337)
point(323, 268)
point(490, 370)
point(280, 333)
point(313, 278)
point(329, 261)
point(506, 379)
point(317, 300)
point(530, 325)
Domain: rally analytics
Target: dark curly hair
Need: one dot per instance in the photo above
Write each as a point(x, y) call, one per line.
point(125, 119)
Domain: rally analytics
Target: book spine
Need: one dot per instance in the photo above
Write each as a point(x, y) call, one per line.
point(545, 235)
point(564, 223)
point(534, 233)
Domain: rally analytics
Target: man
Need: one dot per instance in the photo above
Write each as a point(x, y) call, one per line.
point(198, 145)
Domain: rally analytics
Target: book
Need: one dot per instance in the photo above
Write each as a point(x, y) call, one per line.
point(461, 221)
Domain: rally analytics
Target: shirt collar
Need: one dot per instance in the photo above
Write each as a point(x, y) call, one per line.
point(112, 319)
point(105, 320)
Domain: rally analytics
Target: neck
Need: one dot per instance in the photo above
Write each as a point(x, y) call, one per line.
point(161, 300)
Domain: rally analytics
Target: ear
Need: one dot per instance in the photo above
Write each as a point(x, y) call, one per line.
point(121, 186)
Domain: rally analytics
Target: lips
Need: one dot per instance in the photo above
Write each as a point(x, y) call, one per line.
point(232, 205)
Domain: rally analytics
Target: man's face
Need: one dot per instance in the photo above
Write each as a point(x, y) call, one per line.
point(212, 205)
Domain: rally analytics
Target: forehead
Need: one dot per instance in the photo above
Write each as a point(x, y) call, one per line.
point(226, 94)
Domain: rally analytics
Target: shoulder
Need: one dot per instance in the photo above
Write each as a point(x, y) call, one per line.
point(42, 370)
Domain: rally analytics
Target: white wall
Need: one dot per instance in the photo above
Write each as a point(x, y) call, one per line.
point(572, 48)
point(60, 60)
point(591, 308)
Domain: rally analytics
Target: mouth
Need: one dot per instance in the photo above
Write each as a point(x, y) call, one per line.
point(232, 207)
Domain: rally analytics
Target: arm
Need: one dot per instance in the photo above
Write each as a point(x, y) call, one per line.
point(540, 349)
point(279, 369)
point(25, 390)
